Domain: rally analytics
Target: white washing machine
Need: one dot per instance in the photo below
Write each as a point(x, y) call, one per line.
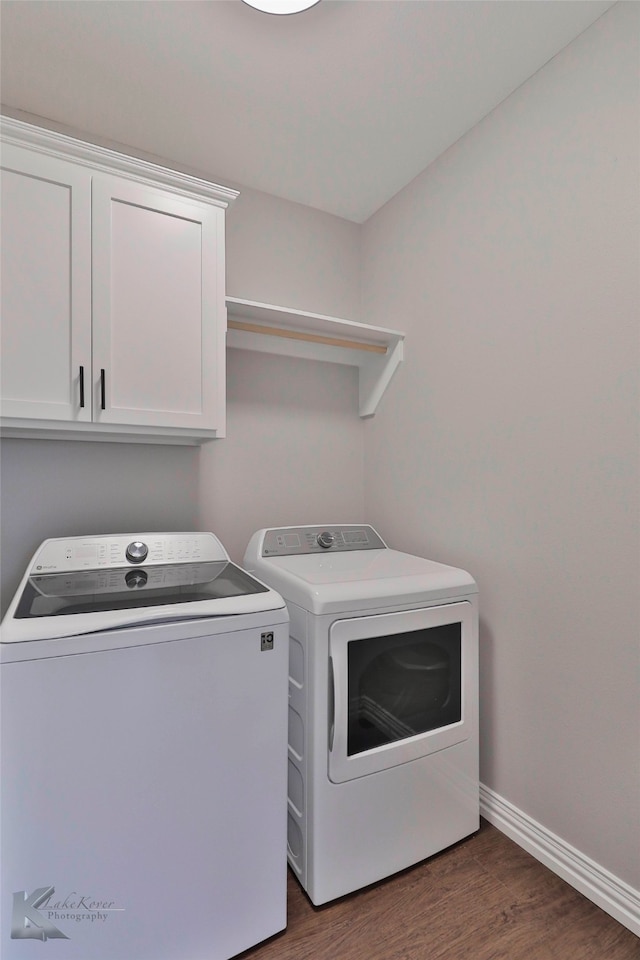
point(383, 703)
point(143, 683)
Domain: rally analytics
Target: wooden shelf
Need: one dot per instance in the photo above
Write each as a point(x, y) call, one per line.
point(376, 352)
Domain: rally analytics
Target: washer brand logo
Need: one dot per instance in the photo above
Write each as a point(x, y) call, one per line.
point(27, 923)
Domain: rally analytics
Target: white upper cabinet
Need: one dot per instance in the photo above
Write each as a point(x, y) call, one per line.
point(113, 307)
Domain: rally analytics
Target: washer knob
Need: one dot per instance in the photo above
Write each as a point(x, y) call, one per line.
point(136, 579)
point(137, 552)
point(325, 539)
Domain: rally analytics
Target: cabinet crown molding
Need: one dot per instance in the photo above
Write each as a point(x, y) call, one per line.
point(105, 160)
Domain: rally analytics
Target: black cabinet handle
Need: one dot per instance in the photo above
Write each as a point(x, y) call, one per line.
point(82, 386)
point(103, 404)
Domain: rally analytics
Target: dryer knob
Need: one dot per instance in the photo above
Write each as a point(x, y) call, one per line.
point(325, 539)
point(137, 552)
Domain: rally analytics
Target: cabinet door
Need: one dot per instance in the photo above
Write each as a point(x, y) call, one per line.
point(46, 287)
point(159, 315)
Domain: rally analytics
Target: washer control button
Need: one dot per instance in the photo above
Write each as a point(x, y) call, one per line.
point(137, 552)
point(325, 539)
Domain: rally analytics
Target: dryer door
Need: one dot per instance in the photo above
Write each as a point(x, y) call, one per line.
point(403, 685)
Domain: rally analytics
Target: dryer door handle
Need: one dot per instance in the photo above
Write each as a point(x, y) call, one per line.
point(331, 712)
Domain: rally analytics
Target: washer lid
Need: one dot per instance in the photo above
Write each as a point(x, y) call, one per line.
point(82, 585)
point(359, 579)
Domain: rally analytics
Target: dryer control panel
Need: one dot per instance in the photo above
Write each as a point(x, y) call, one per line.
point(292, 541)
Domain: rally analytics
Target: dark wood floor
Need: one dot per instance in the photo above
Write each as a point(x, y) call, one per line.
point(484, 899)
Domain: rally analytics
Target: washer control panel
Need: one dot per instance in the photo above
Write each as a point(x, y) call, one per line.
point(124, 550)
point(291, 541)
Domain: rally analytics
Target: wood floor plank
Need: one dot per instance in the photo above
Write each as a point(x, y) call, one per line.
point(483, 899)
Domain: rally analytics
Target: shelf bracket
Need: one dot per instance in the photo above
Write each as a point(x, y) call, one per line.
point(375, 377)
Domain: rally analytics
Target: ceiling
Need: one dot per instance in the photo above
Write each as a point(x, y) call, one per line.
point(337, 108)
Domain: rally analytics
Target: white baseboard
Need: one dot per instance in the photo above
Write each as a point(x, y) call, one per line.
point(610, 893)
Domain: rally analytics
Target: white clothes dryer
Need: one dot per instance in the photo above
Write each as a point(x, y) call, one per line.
point(143, 742)
point(383, 703)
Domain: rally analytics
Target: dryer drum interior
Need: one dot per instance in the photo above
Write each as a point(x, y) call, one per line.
point(403, 686)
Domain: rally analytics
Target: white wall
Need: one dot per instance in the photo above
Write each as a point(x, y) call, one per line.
point(57, 488)
point(508, 444)
point(294, 451)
